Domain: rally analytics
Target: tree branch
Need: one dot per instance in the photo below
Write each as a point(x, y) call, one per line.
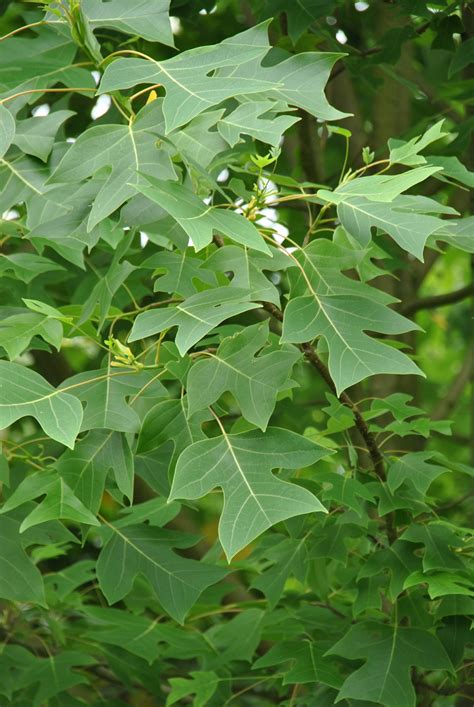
point(375, 453)
point(438, 300)
point(311, 355)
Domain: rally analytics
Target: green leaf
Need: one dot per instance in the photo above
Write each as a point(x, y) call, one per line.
point(398, 559)
point(195, 317)
point(414, 469)
point(20, 180)
point(183, 273)
point(7, 129)
point(137, 634)
point(201, 221)
point(20, 580)
point(198, 142)
point(452, 168)
point(17, 331)
point(59, 502)
point(36, 135)
point(25, 392)
point(409, 230)
point(258, 119)
point(438, 539)
point(39, 62)
point(248, 268)
point(54, 674)
point(189, 89)
point(300, 14)
point(125, 150)
point(341, 310)
point(254, 381)
point(288, 557)
point(146, 550)
point(171, 421)
point(106, 392)
point(26, 266)
point(407, 153)
point(308, 663)
point(157, 511)
point(85, 468)
point(463, 56)
point(389, 652)
point(241, 465)
point(378, 187)
point(344, 490)
point(238, 639)
point(61, 221)
point(202, 684)
point(369, 595)
point(147, 18)
point(441, 583)
point(46, 310)
point(460, 235)
point(299, 79)
point(107, 286)
point(14, 660)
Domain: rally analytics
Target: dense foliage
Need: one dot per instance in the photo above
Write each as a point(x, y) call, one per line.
point(235, 343)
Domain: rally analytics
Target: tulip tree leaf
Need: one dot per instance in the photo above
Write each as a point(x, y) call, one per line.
point(389, 652)
point(26, 266)
point(189, 89)
point(253, 501)
point(125, 150)
point(307, 663)
point(17, 331)
point(383, 188)
point(202, 684)
point(289, 557)
point(171, 421)
point(39, 62)
point(195, 317)
point(410, 231)
point(7, 129)
point(209, 491)
point(342, 310)
point(407, 153)
point(85, 468)
point(255, 381)
point(145, 550)
point(416, 470)
point(59, 503)
point(248, 268)
point(20, 580)
point(147, 18)
point(182, 272)
point(438, 539)
point(36, 135)
point(201, 221)
point(106, 393)
point(25, 392)
point(257, 119)
point(53, 675)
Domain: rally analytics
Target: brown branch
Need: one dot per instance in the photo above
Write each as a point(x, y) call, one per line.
point(311, 355)
point(375, 454)
point(438, 300)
